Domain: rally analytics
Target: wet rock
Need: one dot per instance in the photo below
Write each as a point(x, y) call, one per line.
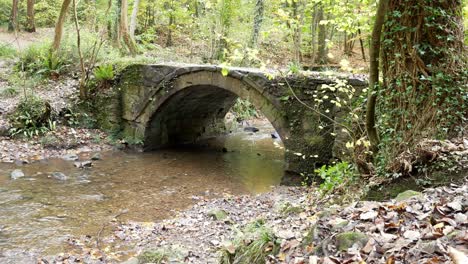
point(406, 195)
point(70, 157)
point(16, 174)
point(348, 239)
point(96, 156)
point(4, 130)
point(59, 176)
point(251, 129)
point(84, 164)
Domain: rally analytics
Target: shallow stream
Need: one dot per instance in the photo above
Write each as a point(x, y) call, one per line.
point(39, 212)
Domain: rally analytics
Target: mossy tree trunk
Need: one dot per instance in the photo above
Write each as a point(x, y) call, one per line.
point(258, 19)
point(374, 53)
point(321, 57)
point(128, 40)
point(424, 76)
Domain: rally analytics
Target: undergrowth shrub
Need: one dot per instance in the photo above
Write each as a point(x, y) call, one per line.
point(335, 176)
point(38, 59)
point(243, 110)
point(7, 50)
point(253, 245)
point(104, 74)
point(31, 117)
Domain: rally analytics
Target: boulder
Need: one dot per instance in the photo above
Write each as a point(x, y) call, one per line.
point(406, 195)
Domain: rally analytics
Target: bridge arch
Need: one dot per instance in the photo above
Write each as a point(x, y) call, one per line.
point(160, 105)
point(196, 104)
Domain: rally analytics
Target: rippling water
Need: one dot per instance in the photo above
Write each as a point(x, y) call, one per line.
point(38, 212)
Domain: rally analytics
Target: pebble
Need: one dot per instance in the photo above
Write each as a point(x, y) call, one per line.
point(16, 174)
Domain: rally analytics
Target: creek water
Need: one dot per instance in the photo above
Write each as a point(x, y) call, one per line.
point(38, 213)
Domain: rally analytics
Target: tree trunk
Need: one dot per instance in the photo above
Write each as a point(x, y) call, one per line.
point(424, 76)
point(133, 19)
point(59, 25)
point(117, 38)
point(169, 33)
point(322, 48)
point(82, 86)
point(124, 29)
point(30, 25)
point(13, 23)
point(258, 19)
point(374, 53)
point(313, 34)
point(297, 31)
point(361, 42)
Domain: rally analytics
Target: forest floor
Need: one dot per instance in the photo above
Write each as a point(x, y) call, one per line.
point(64, 140)
point(294, 225)
point(297, 225)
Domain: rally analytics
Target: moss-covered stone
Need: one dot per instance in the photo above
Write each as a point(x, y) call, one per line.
point(288, 209)
point(406, 195)
point(218, 214)
point(348, 239)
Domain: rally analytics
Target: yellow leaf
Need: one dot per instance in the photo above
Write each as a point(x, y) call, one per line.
point(224, 71)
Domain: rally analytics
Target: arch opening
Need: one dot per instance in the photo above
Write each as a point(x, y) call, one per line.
point(190, 115)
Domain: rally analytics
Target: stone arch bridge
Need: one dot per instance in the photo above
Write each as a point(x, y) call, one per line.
point(165, 105)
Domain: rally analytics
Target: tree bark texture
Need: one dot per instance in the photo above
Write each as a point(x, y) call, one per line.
point(30, 25)
point(59, 25)
point(13, 23)
point(133, 19)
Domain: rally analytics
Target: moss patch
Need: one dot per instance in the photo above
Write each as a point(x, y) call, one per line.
point(348, 239)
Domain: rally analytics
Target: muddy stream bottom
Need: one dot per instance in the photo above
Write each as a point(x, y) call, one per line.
point(38, 212)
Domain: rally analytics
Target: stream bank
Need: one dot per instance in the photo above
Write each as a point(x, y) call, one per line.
point(413, 228)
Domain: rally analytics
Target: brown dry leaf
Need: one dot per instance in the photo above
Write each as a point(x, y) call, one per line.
point(390, 260)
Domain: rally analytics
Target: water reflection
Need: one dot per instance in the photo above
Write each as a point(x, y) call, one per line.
point(38, 212)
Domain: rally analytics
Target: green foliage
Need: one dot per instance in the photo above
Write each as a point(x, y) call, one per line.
point(7, 50)
point(294, 67)
point(335, 176)
point(244, 110)
point(52, 65)
point(9, 92)
point(251, 246)
point(37, 59)
point(424, 92)
point(104, 73)
point(32, 117)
